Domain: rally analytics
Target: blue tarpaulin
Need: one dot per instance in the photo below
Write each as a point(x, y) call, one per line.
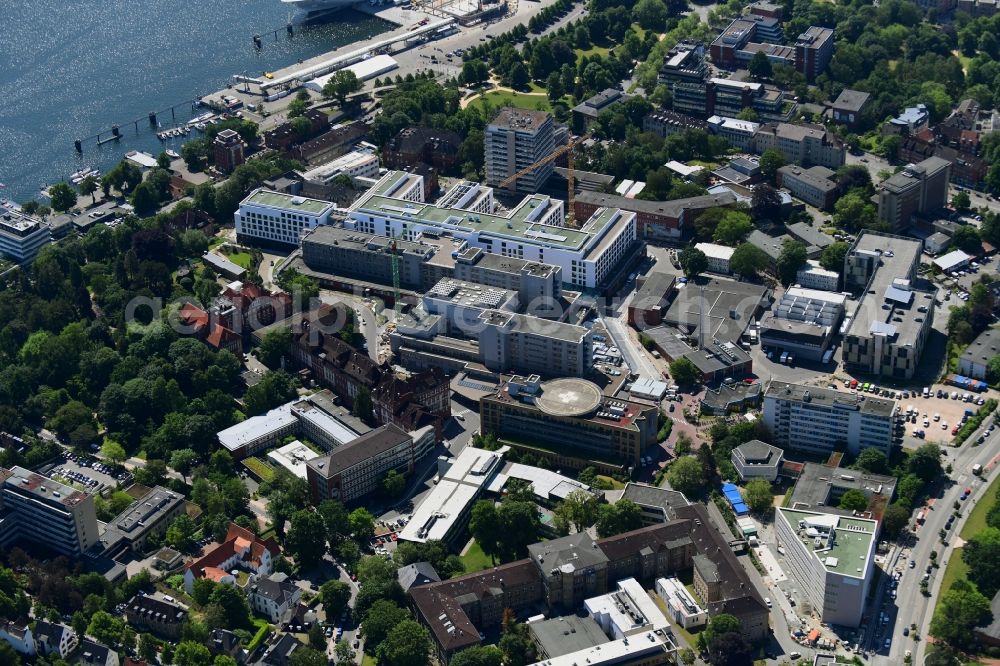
point(740, 509)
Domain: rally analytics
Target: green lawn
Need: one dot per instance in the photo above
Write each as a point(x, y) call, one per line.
point(956, 570)
point(500, 98)
point(614, 483)
point(260, 468)
point(594, 49)
point(368, 660)
point(241, 259)
point(976, 521)
point(476, 559)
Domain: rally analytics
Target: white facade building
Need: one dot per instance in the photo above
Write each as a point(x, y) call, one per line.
point(681, 604)
point(534, 230)
point(21, 236)
point(356, 164)
point(831, 560)
point(275, 217)
point(718, 256)
point(814, 276)
point(820, 420)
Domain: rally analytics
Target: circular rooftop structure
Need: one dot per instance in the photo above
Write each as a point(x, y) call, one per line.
point(569, 397)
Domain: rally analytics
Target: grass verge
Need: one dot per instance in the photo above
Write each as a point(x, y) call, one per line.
point(976, 521)
point(475, 559)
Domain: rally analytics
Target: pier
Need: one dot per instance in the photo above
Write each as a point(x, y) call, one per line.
point(114, 134)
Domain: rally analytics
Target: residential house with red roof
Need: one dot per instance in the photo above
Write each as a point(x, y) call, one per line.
point(242, 549)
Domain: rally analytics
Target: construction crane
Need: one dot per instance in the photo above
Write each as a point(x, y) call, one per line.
point(394, 261)
point(566, 150)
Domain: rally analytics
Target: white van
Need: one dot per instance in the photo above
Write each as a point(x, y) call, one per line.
point(784, 357)
point(767, 600)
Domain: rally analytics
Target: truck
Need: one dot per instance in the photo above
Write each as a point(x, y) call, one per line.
point(977, 469)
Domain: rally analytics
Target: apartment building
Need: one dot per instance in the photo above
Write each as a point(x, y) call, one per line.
point(514, 140)
point(356, 469)
point(21, 236)
point(821, 420)
point(802, 144)
point(718, 256)
point(831, 559)
point(814, 185)
point(918, 188)
point(241, 549)
point(887, 333)
point(228, 148)
point(570, 422)
point(588, 255)
point(278, 218)
point(273, 595)
point(355, 164)
point(665, 123)
point(156, 616)
point(813, 51)
point(39, 509)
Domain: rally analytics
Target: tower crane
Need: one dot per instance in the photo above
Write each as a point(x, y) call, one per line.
point(566, 150)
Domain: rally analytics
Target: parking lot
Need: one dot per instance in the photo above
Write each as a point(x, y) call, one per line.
point(87, 473)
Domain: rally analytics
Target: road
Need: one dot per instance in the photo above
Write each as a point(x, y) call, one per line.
point(635, 358)
point(911, 607)
point(363, 315)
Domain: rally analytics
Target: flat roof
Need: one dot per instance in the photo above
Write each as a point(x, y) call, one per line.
point(817, 483)
point(946, 262)
point(716, 251)
point(984, 347)
point(852, 548)
point(256, 427)
point(288, 202)
point(519, 224)
point(830, 398)
point(147, 511)
point(712, 302)
point(293, 457)
point(851, 100)
point(896, 258)
point(674, 208)
point(569, 633)
point(23, 480)
point(545, 483)
point(456, 489)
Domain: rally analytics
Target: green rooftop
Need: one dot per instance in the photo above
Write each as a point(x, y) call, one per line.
point(853, 540)
point(288, 202)
point(516, 226)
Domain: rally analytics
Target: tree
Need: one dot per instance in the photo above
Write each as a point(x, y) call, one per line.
point(854, 211)
point(89, 186)
point(622, 516)
point(362, 524)
point(693, 261)
point(363, 406)
point(307, 656)
point(758, 495)
point(408, 644)
point(833, 256)
point(228, 608)
point(182, 460)
point(967, 239)
point(334, 595)
point(729, 649)
point(297, 108)
point(106, 628)
point(960, 610)
point(853, 500)
point(925, 462)
point(748, 260)
point(872, 460)
point(393, 483)
point(770, 161)
point(650, 14)
point(63, 196)
point(894, 519)
point(189, 653)
point(793, 257)
point(344, 652)
point(765, 203)
point(306, 539)
point(579, 510)
point(982, 554)
point(723, 623)
point(687, 475)
point(148, 647)
point(180, 532)
point(484, 525)
point(113, 452)
point(760, 67)
point(343, 83)
point(201, 590)
point(733, 228)
point(274, 346)
point(519, 77)
point(478, 655)
point(379, 621)
point(684, 372)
